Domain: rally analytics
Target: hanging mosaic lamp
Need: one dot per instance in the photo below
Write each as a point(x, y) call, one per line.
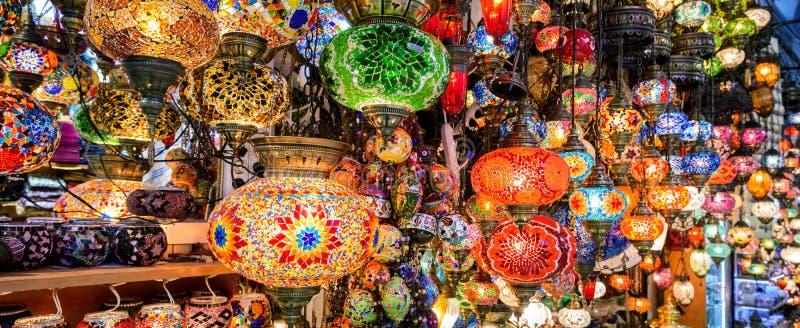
point(740, 234)
point(670, 197)
point(759, 184)
point(731, 57)
point(654, 93)
point(744, 163)
point(558, 128)
point(27, 61)
point(739, 30)
point(88, 131)
point(638, 304)
point(10, 16)
point(329, 23)
point(549, 38)
point(496, 16)
point(454, 97)
point(700, 163)
point(363, 69)
point(692, 14)
point(574, 315)
point(61, 88)
point(765, 210)
point(117, 113)
point(671, 123)
point(584, 95)
point(651, 168)
point(642, 227)
point(30, 134)
point(767, 72)
point(718, 251)
point(156, 43)
point(579, 160)
point(620, 122)
point(294, 244)
point(773, 160)
point(481, 293)
point(490, 56)
point(236, 102)
point(598, 200)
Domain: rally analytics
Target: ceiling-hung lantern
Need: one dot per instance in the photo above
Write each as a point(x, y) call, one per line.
point(496, 16)
point(364, 70)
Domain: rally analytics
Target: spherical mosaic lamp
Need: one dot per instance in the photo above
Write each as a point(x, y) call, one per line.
point(10, 16)
point(156, 41)
point(295, 229)
point(364, 69)
point(692, 14)
point(30, 134)
point(61, 88)
point(26, 60)
point(654, 93)
point(642, 227)
point(236, 102)
point(88, 131)
point(106, 199)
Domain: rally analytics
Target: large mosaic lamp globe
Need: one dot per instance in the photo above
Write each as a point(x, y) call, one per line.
point(598, 204)
point(30, 134)
point(26, 60)
point(236, 102)
point(156, 41)
point(364, 69)
point(654, 93)
point(62, 87)
point(294, 230)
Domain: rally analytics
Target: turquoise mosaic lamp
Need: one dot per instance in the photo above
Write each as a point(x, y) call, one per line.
point(385, 66)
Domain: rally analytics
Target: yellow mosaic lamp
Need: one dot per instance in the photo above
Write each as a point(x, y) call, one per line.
point(116, 112)
point(294, 230)
point(236, 102)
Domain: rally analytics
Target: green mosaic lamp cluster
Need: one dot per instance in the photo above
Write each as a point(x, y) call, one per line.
point(385, 66)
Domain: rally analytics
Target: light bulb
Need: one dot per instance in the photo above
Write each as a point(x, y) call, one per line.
point(451, 314)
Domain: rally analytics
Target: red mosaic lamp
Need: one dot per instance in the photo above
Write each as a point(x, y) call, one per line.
point(496, 16)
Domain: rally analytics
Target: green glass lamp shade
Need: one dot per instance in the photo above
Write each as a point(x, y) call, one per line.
point(385, 65)
point(740, 27)
point(718, 250)
point(84, 126)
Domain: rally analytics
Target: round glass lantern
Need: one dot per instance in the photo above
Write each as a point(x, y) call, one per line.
point(598, 203)
point(720, 203)
point(483, 44)
point(759, 184)
point(579, 41)
point(654, 92)
point(107, 199)
point(753, 134)
point(668, 198)
point(117, 113)
point(580, 163)
point(713, 66)
point(584, 95)
point(30, 133)
point(549, 37)
point(364, 69)
point(521, 176)
point(741, 26)
point(731, 57)
point(714, 23)
point(63, 87)
point(671, 123)
point(692, 14)
point(642, 225)
point(650, 169)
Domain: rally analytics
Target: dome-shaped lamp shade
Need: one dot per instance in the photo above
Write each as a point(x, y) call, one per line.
point(580, 164)
point(521, 176)
point(642, 228)
point(30, 133)
point(766, 73)
point(107, 199)
point(278, 23)
point(364, 69)
point(583, 43)
point(279, 232)
point(88, 131)
point(598, 204)
point(539, 252)
point(184, 31)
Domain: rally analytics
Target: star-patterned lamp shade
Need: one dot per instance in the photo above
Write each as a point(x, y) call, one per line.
point(220, 94)
point(483, 44)
point(330, 24)
point(20, 56)
point(184, 31)
point(363, 68)
point(642, 227)
point(700, 164)
point(521, 176)
point(657, 90)
point(598, 203)
point(621, 125)
point(278, 22)
point(580, 164)
point(651, 169)
point(668, 198)
point(293, 232)
point(86, 129)
point(692, 14)
point(60, 86)
point(107, 199)
point(117, 113)
point(30, 134)
point(539, 252)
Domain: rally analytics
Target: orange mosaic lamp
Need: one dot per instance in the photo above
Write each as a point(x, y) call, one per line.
point(642, 227)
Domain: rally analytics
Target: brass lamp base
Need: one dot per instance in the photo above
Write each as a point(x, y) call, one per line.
point(246, 48)
point(487, 227)
point(235, 133)
point(299, 156)
point(115, 167)
point(497, 316)
point(25, 81)
point(521, 214)
point(598, 229)
point(653, 111)
point(292, 301)
point(643, 246)
point(385, 118)
point(152, 77)
point(489, 65)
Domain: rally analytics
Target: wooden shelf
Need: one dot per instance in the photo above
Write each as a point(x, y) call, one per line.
point(47, 278)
